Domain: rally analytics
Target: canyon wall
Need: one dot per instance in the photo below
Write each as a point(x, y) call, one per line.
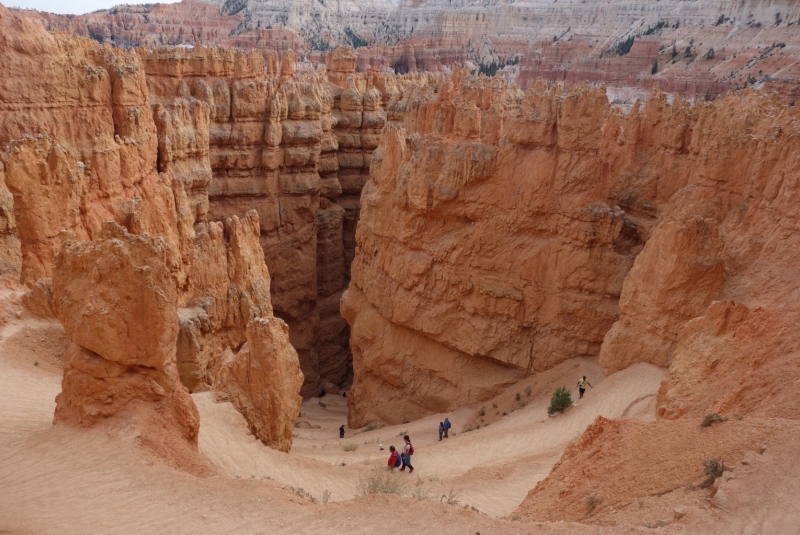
point(296, 148)
point(142, 281)
point(699, 49)
point(504, 232)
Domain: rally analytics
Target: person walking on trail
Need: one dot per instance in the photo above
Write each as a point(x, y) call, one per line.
point(408, 451)
point(441, 430)
point(394, 459)
point(446, 426)
point(341, 431)
point(582, 387)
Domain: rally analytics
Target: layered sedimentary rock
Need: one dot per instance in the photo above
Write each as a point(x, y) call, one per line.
point(84, 151)
point(295, 148)
point(229, 287)
point(501, 228)
point(263, 380)
point(693, 48)
point(117, 300)
point(483, 241)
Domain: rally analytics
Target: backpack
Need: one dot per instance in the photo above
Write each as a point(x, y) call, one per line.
point(447, 424)
point(399, 461)
point(410, 449)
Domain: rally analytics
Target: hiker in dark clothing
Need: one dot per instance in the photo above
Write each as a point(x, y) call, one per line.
point(446, 426)
point(341, 431)
point(441, 430)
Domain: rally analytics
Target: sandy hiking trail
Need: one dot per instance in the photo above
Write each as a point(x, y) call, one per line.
point(55, 479)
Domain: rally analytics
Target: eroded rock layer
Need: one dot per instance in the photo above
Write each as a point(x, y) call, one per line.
point(700, 49)
point(117, 301)
point(148, 290)
point(513, 231)
point(294, 147)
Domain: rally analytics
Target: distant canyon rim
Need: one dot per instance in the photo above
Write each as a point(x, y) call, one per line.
point(225, 197)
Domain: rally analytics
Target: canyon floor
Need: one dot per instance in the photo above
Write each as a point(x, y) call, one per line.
point(57, 479)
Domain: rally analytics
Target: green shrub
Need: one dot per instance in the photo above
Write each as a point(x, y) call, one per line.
point(592, 501)
point(713, 468)
point(561, 400)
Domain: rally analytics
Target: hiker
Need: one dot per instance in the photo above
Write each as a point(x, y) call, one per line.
point(394, 459)
point(446, 426)
point(408, 451)
point(582, 386)
point(441, 430)
point(341, 431)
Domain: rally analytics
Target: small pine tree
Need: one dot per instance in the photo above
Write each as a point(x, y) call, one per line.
point(561, 400)
point(654, 70)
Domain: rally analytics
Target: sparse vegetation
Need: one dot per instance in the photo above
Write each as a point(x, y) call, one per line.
point(654, 69)
point(517, 397)
point(711, 419)
point(494, 405)
point(379, 481)
point(561, 400)
point(592, 502)
point(482, 412)
point(451, 498)
point(709, 54)
point(621, 48)
point(528, 391)
point(350, 446)
point(326, 496)
point(402, 433)
point(492, 68)
point(304, 494)
point(421, 493)
point(372, 427)
point(355, 40)
point(713, 468)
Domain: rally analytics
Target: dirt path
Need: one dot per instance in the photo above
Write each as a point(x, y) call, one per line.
point(55, 479)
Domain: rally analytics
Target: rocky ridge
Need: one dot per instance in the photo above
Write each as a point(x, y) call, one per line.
point(119, 190)
point(698, 49)
point(506, 232)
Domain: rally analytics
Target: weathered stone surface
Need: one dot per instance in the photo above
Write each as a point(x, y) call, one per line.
point(117, 300)
point(504, 226)
point(700, 49)
point(118, 181)
point(673, 280)
point(263, 380)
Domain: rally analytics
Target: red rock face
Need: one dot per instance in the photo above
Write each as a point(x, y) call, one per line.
point(507, 232)
point(292, 146)
point(117, 301)
point(698, 49)
point(148, 289)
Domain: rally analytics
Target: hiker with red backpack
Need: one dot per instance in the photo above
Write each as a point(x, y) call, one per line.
point(408, 451)
point(394, 459)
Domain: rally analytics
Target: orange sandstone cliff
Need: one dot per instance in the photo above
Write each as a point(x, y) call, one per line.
point(84, 151)
point(502, 233)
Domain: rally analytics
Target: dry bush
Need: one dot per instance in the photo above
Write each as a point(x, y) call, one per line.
point(379, 481)
point(350, 447)
point(711, 419)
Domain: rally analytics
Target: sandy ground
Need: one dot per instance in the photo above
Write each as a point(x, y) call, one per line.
point(55, 479)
